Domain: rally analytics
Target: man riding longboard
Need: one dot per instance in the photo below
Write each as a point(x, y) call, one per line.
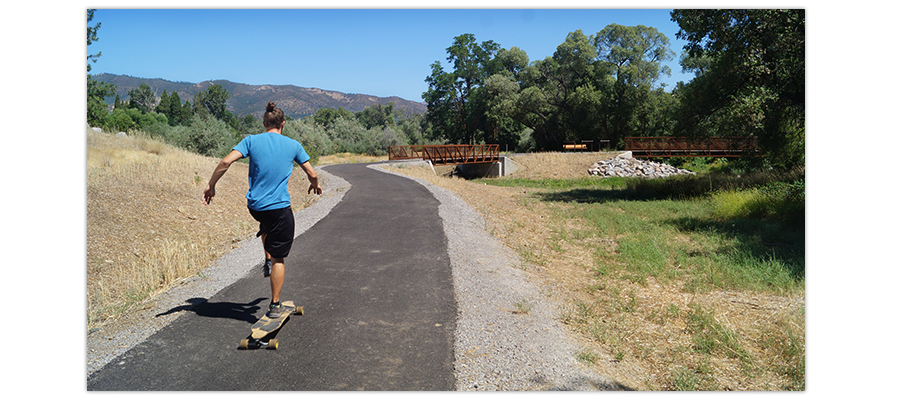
point(272, 158)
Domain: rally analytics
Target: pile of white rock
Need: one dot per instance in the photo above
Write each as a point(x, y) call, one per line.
point(630, 167)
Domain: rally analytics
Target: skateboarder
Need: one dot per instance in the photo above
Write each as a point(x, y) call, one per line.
point(271, 163)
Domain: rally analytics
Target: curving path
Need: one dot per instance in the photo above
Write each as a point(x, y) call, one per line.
point(375, 279)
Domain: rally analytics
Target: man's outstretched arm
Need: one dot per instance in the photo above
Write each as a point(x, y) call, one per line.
point(313, 178)
point(226, 162)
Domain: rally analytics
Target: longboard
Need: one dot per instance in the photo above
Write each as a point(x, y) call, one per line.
point(266, 325)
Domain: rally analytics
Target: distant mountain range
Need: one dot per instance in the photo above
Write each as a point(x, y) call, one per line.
point(296, 102)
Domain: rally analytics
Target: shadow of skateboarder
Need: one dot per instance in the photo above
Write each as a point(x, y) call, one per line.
point(247, 312)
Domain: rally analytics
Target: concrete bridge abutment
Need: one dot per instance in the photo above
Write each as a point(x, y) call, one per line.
point(503, 167)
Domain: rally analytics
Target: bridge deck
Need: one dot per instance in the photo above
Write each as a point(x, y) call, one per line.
point(447, 154)
point(690, 147)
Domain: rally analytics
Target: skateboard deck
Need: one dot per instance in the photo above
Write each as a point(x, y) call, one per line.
point(266, 325)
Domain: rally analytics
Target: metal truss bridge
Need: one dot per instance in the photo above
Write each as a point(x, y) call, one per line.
point(692, 147)
point(447, 154)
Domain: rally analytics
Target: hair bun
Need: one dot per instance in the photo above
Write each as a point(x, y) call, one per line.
point(270, 107)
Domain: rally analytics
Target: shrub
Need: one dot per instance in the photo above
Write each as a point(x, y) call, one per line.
point(210, 137)
point(391, 137)
point(312, 136)
point(349, 136)
point(784, 201)
point(691, 186)
point(119, 120)
point(125, 119)
point(526, 142)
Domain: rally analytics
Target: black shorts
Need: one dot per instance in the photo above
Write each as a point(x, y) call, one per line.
point(278, 225)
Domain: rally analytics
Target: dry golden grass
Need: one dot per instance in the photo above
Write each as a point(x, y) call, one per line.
point(146, 225)
point(347, 158)
point(638, 335)
point(558, 165)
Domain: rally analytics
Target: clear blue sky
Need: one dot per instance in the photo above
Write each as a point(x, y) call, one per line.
point(378, 52)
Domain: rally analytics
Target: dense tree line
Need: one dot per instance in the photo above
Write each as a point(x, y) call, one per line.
point(600, 86)
point(750, 78)
point(206, 127)
point(749, 81)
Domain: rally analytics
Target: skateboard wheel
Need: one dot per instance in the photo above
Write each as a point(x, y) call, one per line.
point(298, 310)
point(273, 344)
point(245, 344)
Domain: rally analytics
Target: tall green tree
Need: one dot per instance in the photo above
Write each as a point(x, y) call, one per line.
point(249, 124)
point(92, 37)
point(170, 105)
point(577, 84)
point(119, 103)
point(187, 112)
point(378, 115)
point(596, 87)
point(414, 127)
point(164, 107)
point(557, 96)
point(637, 53)
point(751, 79)
point(325, 117)
point(455, 100)
point(500, 126)
point(96, 91)
point(634, 56)
point(142, 98)
point(655, 116)
point(176, 113)
point(212, 102)
point(97, 109)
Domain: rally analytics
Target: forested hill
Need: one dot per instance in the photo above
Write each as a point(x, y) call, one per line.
point(251, 99)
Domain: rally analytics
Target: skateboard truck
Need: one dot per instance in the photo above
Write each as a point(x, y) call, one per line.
point(251, 343)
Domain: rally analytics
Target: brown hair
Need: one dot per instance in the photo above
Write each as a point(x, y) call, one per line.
point(273, 117)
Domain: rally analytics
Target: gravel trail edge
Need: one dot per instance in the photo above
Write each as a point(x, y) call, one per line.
point(497, 347)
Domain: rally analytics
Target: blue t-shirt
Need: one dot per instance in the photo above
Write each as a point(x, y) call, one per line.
point(271, 163)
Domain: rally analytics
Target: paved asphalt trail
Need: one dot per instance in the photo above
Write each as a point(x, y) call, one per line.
point(375, 279)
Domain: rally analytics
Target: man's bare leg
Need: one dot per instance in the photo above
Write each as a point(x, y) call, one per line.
point(277, 279)
point(268, 256)
point(267, 265)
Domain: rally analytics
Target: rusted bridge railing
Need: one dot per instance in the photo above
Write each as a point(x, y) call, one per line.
point(692, 147)
point(447, 154)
